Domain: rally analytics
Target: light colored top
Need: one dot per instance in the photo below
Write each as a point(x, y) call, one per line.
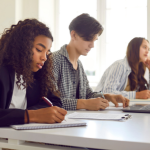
point(66, 82)
point(128, 86)
point(115, 78)
point(19, 99)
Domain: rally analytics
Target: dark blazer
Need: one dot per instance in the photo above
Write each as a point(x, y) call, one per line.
point(16, 116)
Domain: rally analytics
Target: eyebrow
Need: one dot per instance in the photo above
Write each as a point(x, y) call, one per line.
point(41, 45)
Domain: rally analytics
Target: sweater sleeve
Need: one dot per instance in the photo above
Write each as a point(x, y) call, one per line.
point(11, 117)
point(115, 79)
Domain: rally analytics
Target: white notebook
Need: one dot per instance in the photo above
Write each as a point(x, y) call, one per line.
point(63, 124)
point(99, 116)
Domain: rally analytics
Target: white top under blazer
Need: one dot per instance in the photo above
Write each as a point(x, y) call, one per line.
point(19, 96)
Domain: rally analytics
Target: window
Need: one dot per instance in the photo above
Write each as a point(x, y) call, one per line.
point(122, 20)
point(125, 20)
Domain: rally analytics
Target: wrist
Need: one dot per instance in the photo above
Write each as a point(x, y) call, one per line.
point(81, 104)
point(137, 95)
point(32, 116)
point(107, 96)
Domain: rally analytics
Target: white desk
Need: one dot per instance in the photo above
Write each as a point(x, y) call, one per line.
point(131, 134)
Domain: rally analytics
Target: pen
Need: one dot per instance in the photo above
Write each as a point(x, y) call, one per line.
point(47, 101)
point(102, 95)
point(146, 86)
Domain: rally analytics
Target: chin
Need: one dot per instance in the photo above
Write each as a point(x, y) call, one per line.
point(85, 54)
point(35, 70)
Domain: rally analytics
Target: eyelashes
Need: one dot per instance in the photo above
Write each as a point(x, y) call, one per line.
point(38, 50)
point(49, 51)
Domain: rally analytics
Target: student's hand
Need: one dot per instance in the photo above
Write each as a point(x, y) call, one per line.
point(117, 99)
point(147, 63)
point(47, 115)
point(92, 104)
point(143, 94)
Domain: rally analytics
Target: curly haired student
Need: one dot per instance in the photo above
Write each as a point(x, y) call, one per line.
point(26, 75)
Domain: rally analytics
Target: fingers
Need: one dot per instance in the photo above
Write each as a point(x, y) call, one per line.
point(124, 100)
point(103, 105)
point(59, 118)
point(59, 114)
point(62, 111)
point(127, 102)
point(120, 98)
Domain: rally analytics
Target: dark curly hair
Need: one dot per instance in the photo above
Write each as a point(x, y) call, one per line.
point(16, 45)
point(138, 68)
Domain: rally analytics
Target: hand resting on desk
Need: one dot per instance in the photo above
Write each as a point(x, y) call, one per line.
point(117, 99)
point(46, 115)
point(143, 94)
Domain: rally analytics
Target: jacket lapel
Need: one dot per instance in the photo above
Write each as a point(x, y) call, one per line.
point(12, 79)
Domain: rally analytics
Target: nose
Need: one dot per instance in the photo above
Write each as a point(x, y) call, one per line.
point(147, 51)
point(44, 56)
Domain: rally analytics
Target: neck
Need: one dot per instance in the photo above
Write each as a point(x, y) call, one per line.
point(72, 52)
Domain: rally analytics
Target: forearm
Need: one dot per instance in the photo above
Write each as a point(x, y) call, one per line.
point(81, 104)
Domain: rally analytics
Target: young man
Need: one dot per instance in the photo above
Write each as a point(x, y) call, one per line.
point(70, 76)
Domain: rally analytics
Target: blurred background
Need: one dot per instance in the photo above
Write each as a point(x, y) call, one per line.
point(122, 20)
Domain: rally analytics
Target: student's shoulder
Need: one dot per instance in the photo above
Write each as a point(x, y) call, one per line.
point(57, 55)
point(5, 71)
point(119, 63)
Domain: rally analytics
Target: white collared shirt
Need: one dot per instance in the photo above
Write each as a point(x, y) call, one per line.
point(19, 96)
point(114, 79)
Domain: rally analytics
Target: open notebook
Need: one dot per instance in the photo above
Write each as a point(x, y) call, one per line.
point(63, 124)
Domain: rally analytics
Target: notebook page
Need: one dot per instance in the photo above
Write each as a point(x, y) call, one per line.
point(66, 123)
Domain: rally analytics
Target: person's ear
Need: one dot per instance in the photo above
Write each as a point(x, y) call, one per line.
point(73, 35)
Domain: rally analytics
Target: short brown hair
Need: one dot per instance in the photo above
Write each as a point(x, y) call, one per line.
point(86, 26)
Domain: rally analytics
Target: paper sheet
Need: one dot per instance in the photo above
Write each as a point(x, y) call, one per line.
point(97, 116)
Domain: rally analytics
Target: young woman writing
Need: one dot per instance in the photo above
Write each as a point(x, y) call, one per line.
point(26, 75)
point(70, 76)
point(126, 76)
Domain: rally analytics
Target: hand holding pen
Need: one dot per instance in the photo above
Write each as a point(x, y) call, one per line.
point(48, 102)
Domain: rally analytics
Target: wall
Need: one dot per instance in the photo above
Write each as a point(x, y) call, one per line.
point(7, 13)
point(148, 20)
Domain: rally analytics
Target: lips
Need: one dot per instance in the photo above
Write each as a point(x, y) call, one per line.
point(87, 50)
point(40, 65)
